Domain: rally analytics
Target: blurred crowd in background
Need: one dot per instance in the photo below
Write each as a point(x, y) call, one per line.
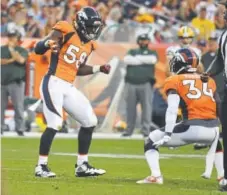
point(35, 18)
point(124, 21)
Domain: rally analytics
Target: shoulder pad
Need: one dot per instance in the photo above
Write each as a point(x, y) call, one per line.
point(171, 82)
point(63, 26)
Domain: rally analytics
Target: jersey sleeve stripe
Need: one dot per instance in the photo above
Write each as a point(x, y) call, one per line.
point(53, 63)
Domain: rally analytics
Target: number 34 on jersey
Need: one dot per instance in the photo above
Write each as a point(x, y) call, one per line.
point(196, 93)
point(197, 98)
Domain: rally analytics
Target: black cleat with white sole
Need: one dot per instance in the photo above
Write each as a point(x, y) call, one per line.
point(223, 188)
point(86, 170)
point(44, 171)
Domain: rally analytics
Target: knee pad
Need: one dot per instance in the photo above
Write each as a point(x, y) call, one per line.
point(90, 121)
point(148, 145)
point(55, 124)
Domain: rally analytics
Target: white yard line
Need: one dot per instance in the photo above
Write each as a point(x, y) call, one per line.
point(110, 155)
point(132, 156)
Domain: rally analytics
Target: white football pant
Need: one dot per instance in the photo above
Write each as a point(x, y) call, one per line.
point(187, 134)
point(58, 94)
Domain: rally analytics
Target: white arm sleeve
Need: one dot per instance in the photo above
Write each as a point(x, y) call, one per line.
point(173, 101)
point(131, 60)
point(149, 59)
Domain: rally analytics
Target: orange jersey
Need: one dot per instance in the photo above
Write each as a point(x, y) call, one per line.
point(196, 98)
point(73, 53)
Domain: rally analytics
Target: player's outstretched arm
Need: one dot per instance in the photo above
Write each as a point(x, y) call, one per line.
point(52, 41)
point(87, 70)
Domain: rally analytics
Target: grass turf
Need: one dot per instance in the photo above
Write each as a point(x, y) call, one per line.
point(181, 175)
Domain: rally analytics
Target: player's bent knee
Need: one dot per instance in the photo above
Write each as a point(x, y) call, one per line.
point(156, 135)
point(57, 125)
point(90, 122)
point(148, 145)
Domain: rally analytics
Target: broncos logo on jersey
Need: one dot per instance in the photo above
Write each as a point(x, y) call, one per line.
point(184, 60)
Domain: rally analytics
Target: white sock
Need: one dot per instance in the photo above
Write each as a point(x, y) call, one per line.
point(152, 157)
point(81, 159)
point(211, 155)
point(209, 164)
point(218, 162)
point(42, 160)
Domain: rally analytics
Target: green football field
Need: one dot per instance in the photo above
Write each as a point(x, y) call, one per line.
point(181, 174)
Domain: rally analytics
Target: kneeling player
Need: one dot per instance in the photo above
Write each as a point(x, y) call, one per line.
point(199, 103)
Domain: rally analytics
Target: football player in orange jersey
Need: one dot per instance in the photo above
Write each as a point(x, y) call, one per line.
point(199, 103)
point(70, 46)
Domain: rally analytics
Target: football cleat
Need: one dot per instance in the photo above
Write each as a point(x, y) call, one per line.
point(205, 176)
point(151, 180)
point(126, 134)
point(44, 171)
point(223, 182)
point(86, 170)
point(223, 185)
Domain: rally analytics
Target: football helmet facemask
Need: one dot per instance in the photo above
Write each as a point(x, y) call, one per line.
point(184, 61)
point(88, 23)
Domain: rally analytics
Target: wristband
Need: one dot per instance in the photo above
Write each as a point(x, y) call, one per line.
point(96, 68)
point(46, 44)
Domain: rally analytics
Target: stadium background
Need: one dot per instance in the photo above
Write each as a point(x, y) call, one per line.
point(124, 21)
